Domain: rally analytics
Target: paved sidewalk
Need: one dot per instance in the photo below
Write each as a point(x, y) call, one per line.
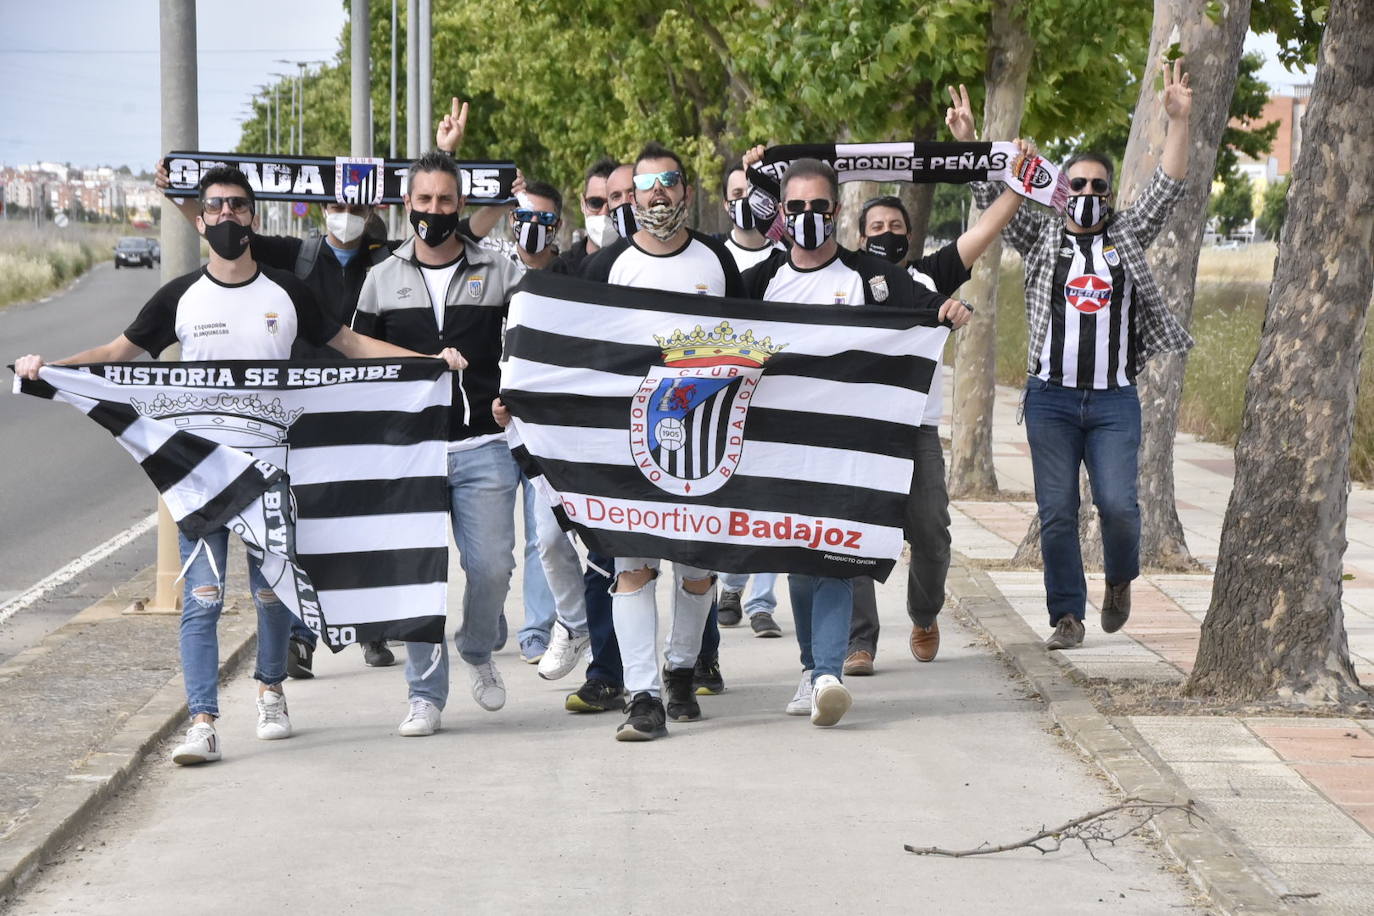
point(1296, 793)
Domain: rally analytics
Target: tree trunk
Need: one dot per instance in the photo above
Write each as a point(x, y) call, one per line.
point(1211, 58)
point(1089, 534)
point(1275, 629)
point(971, 471)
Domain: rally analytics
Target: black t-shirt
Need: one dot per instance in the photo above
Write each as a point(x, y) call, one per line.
point(258, 319)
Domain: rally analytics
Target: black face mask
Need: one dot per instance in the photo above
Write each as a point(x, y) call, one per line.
point(741, 215)
point(889, 245)
point(533, 237)
point(228, 239)
point(624, 218)
point(810, 229)
point(434, 229)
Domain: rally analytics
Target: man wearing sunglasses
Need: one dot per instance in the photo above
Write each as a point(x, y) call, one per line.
point(663, 253)
point(817, 270)
point(233, 308)
point(1094, 315)
point(596, 216)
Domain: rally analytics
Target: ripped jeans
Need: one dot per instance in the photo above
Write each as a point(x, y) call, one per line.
point(201, 604)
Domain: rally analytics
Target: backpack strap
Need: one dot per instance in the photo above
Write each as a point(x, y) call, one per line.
point(307, 256)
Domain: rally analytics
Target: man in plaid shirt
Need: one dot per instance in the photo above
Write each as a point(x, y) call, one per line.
point(1094, 315)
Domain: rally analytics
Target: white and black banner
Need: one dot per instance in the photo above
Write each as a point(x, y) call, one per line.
point(335, 472)
point(342, 179)
point(729, 434)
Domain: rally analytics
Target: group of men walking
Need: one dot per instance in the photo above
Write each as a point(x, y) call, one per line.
point(445, 291)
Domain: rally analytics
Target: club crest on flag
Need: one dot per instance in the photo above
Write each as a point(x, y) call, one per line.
point(245, 422)
point(687, 417)
point(357, 180)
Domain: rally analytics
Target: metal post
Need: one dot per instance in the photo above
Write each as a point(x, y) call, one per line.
point(180, 243)
point(412, 79)
point(362, 79)
point(392, 213)
point(425, 127)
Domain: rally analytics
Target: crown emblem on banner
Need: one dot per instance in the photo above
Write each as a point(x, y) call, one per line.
point(248, 406)
point(720, 347)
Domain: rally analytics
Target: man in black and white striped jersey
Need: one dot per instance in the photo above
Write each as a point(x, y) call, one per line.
point(233, 308)
point(1094, 315)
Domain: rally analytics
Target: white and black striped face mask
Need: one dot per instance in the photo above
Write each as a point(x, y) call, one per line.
point(1088, 209)
point(533, 237)
point(623, 217)
point(810, 229)
point(741, 215)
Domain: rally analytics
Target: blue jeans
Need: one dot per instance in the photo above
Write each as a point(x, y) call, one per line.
point(1066, 428)
point(481, 486)
point(761, 597)
point(605, 664)
point(201, 604)
point(821, 608)
point(540, 611)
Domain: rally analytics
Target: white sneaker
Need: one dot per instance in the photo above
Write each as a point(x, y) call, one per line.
point(201, 746)
point(801, 702)
point(423, 719)
point(831, 701)
point(273, 723)
point(564, 652)
point(487, 687)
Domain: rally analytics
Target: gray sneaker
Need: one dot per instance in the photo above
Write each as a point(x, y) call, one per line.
point(1116, 607)
point(1068, 634)
point(764, 625)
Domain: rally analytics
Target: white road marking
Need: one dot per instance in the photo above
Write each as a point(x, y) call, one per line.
point(76, 567)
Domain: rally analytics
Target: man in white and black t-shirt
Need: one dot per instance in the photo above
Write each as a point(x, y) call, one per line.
point(230, 309)
point(818, 270)
point(744, 241)
point(885, 231)
point(1094, 314)
point(662, 254)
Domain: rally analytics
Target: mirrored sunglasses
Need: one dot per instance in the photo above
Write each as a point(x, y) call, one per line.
point(542, 217)
point(667, 179)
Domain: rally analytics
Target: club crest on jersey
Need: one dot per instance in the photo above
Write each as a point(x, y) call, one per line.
point(475, 287)
point(687, 418)
point(358, 180)
point(1111, 255)
point(878, 286)
point(273, 321)
point(1088, 293)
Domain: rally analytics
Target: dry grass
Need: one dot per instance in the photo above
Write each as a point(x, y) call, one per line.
point(34, 262)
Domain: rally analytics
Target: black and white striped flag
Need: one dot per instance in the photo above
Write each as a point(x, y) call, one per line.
point(732, 435)
point(364, 555)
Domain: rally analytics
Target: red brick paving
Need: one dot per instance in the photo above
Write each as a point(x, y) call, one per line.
point(1337, 760)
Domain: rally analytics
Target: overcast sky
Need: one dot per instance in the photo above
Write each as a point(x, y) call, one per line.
point(79, 80)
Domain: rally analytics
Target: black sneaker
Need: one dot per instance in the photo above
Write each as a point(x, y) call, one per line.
point(682, 700)
point(706, 678)
point(596, 696)
point(299, 657)
point(377, 655)
point(729, 612)
point(764, 625)
point(1116, 607)
point(646, 720)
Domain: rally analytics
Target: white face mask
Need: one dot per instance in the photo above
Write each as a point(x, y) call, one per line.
point(600, 230)
point(344, 226)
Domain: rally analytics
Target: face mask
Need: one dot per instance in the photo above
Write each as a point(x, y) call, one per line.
point(533, 237)
point(228, 239)
point(663, 221)
point(1088, 209)
point(433, 228)
point(888, 245)
point(810, 230)
point(344, 226)
point(623, 217)
point(600, 230)
point(741, 215)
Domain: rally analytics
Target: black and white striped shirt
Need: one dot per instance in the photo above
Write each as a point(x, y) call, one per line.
point(1092, 335)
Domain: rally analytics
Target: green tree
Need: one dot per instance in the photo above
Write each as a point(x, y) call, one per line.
point(1273, 208)
point(1247, 105)
point(1234, 204)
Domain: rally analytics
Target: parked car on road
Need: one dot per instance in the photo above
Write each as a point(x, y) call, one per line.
point(133, 251)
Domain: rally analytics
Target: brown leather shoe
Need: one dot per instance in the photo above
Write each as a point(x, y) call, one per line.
point(859, 663)
point(925, 642)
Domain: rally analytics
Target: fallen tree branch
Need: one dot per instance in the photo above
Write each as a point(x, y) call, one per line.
point(1093, 827)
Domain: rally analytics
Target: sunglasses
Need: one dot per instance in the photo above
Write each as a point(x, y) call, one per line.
point(816, 205)
point(1100, 185)
point(667, 179)
point(216, 204)
point(542, 217)
point(594, 203)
